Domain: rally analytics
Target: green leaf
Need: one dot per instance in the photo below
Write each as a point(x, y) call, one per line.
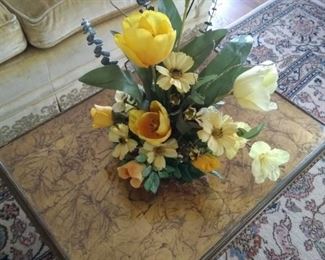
point(147, 171)
point(204, 81)
point(233, 53)
point(251, 133)
point(197, 93)
point(189, 172)
point(241, 132)
point(183, 126)
point(145, 75)
point(168, 7)
point(141, 158)
point(195, 173)
point(169, 169)
point(197, 98)
point(152, 182)
point(163, 174)
point(226, 66)
point(201, 46)
point(186, 176)
point(172, 167)
point(177, 173)
point(114, 32)
point(221, 86)
point(112, 77)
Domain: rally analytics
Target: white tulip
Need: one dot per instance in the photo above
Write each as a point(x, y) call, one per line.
point(254, 87)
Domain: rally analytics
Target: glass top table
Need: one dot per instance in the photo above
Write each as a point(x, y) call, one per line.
point(65, 175)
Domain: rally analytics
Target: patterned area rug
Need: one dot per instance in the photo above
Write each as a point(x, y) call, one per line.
point(292, 227)
point(18, 238)
point(292, 34)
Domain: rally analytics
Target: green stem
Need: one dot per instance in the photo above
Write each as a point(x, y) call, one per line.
point(154, 79)
point(117, 8)
point(160, 93)
point(154, 75)
point(183, 23)
point(147, 90)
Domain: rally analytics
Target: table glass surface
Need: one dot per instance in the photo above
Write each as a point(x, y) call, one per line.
point(66, 171)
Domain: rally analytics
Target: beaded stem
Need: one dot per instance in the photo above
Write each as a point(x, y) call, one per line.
point(92, 39)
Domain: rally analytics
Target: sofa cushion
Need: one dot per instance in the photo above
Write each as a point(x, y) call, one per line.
point(48, 22)
point(12, 40)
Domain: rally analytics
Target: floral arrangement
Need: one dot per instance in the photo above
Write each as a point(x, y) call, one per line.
point(166, 121)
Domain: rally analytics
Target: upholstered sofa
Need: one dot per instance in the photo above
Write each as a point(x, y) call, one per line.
point(43, 53)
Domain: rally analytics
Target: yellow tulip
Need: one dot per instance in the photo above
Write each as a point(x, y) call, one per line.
point(147, 38)
point(153, 126)
point(206, 163)
point(133, 170)
point(254, 87)
point(266, 161)
point(102, 116)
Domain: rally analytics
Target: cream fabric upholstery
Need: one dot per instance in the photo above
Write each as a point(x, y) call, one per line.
point(39, 83)
point(12, 40)
point(48, 22)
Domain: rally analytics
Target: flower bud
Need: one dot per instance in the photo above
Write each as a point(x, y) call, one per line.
point(102, 116)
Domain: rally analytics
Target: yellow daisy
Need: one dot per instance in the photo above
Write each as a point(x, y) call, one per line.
point(120, 134)
point(219, 132)
point(156, 153)
point(175, 72)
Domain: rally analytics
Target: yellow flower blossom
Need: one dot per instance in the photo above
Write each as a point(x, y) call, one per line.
point(147, 38)
point(253, 88)
point(175, 72)
point(266, 162)
point(240, 141)
point(206, 163)
point(153, 126)
point(156, 153)
point(102, 116)
point(120, 134)
point(133, 170)
point(219, 132)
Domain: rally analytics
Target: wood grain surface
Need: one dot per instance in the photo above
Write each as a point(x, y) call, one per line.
point(68, 175)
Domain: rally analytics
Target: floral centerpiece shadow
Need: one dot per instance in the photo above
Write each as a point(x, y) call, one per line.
point(166, 121)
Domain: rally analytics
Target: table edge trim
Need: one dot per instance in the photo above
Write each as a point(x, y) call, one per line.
point(35, 218)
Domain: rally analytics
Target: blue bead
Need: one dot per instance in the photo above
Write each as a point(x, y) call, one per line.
point(106, 53)
point(98, 41)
